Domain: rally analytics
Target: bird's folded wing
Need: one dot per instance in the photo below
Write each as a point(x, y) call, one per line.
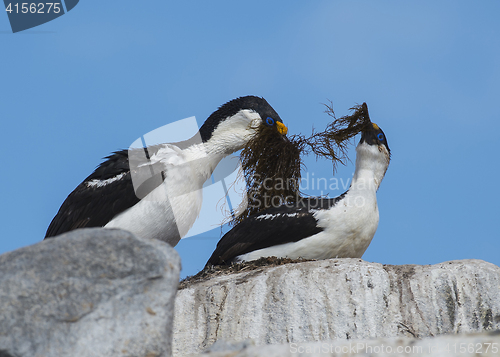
point(268, 228)
point(107, 192)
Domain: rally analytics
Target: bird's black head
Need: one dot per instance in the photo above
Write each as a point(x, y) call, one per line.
point(252, 103)
point(373, 135)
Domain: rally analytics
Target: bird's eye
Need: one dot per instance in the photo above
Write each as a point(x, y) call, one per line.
point(380, 136)
point(269, 121)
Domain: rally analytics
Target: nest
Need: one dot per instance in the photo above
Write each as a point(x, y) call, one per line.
point(272, 163)
point(212, 271)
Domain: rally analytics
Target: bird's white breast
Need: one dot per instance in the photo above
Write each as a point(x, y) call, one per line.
point(348, 229)
point(169, 211)
point(348, 226)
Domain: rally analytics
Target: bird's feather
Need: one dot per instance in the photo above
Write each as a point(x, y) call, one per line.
point(270, 227)
point(107, 192)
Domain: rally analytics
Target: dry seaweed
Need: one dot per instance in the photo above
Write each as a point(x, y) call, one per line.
point(271, 169)
point(272, 164)
point(332, 142)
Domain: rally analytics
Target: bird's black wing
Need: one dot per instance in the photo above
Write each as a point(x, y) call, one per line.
point(94, 205)
point(275, 226)
point(270, 227)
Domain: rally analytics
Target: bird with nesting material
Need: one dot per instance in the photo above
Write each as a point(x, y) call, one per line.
point(317, 227)
point(167, 202)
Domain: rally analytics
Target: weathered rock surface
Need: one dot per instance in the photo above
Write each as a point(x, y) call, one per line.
point(90, 292)
point(337, 299)
point(484, 344)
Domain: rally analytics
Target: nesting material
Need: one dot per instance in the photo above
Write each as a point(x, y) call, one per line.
point(271, 169)
point(332, 142)
point(211, 271)
point(272, 164)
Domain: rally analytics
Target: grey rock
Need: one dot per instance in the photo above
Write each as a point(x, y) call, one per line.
point(486, 344)
point(89, 292)
point(337, 299)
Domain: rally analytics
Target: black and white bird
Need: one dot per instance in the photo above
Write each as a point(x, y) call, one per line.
point(316, 228)
point(155, 192)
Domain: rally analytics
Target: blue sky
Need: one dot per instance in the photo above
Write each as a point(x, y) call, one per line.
point(99, 77)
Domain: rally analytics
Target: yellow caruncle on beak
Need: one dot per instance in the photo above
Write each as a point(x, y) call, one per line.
point(282, 129)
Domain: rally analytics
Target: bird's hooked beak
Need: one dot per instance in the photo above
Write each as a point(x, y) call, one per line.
point(282, 129)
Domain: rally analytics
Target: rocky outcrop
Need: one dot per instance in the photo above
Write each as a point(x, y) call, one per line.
point(100, 292)
point(337, 299)
point(90, 292)
point(486, 344)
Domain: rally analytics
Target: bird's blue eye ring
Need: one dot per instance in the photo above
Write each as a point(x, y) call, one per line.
point(380, 136)
point(269, 121)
